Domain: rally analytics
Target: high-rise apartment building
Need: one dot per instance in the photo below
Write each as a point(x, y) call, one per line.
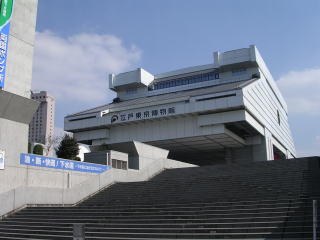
point(42, 125)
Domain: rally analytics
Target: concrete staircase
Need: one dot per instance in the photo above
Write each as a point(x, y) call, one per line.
point(261, 200)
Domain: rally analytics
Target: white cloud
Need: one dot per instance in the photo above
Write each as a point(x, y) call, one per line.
point(75, 68)
point(301, 90)
point(59, 133)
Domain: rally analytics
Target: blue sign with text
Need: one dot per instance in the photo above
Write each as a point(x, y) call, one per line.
point(63, 164)
point(4, 34)
point(6, 8)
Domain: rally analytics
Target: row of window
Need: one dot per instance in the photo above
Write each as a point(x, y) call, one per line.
point(131, 91)
point(238, 72)
point(185, 81)
point(188, 80)
point(38, 97)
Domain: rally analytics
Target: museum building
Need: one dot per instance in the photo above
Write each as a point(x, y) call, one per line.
point(228, 111)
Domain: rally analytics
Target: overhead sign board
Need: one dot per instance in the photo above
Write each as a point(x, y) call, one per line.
point(6, 7)
point(62, 164)
point(2, 155)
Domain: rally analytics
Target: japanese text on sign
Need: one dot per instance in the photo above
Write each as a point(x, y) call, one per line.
point(5, 15)
point(122, 117)
point(63, 164)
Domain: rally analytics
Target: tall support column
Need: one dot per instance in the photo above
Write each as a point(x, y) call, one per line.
point(268, 144)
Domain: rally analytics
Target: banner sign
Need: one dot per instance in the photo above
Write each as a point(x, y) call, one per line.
point(2, 153)
point(132, 116)
point(62, 164)
point(6, 7)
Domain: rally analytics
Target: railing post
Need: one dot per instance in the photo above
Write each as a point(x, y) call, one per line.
point(78, 231)
point(315, 218)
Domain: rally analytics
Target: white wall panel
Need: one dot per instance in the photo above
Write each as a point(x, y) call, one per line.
point(262, 103)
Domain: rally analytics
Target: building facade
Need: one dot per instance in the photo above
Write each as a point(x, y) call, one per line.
point(16, 107)
point(41, 128)
point(227, 111)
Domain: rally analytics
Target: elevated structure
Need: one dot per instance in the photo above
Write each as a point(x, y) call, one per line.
point(227, 111)
point(41, 128)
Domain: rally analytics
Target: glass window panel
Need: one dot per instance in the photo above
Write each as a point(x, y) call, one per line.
point(184, 81)
point(131, 91)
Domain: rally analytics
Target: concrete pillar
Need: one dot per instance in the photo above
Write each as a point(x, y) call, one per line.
point(288, 155)
point(268, 144)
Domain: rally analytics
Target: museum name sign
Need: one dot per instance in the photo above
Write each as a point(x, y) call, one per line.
point(140, 115)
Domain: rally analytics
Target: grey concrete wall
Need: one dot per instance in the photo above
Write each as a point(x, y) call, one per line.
point(21, 185)
point(20, 48)
point(16, 108)
point(49, 195)
point(13, 140)
point(169, 163)
point(146, 154)
point(29, 176)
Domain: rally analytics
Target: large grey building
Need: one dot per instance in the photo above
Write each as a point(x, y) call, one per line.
point(229, 110)
point(41, 128)
point(16, 107)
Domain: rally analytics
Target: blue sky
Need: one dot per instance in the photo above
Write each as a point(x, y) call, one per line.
point(165, 35)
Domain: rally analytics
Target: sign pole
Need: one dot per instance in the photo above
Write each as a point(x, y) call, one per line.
point(315, 218)
point(79, 231)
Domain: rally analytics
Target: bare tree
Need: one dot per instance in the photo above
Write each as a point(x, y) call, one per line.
point(51, 143)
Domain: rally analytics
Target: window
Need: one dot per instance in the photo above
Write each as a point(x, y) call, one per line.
point(278, 116)
point(131, 91)
point(238, 72)
point(185, 81)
